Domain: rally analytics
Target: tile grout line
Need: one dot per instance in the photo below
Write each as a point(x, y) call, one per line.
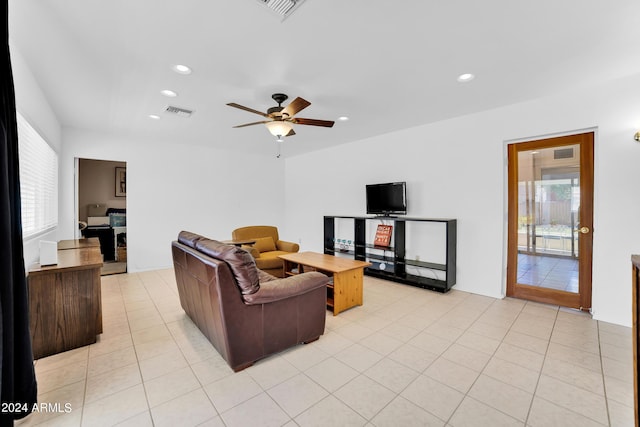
point(397, 394)
point(570, 384)
point(466, 394)
point(190, 365)
point(604, 383)
point(144, 390)
point(544, 360)
point(440, 356)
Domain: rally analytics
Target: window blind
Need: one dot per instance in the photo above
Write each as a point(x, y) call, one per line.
point(38, 181)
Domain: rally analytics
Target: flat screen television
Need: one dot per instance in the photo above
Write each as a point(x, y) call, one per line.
point(387, 199)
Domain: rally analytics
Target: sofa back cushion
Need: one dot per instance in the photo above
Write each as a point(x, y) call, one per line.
point(189, 239)
point(239, 260)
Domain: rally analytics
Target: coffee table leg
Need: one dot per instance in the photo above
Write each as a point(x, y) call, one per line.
point(347, 289)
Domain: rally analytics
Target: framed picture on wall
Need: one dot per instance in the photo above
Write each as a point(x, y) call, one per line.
point(121, 182)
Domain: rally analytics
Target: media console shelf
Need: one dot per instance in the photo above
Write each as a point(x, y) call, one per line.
point(352, 237)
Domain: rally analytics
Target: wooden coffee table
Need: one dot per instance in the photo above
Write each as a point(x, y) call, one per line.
point(344, 290)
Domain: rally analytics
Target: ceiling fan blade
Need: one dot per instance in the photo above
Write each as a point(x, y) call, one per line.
point(295, 107)
point(291, 133)
point(313, 122)
point(251, 124)
point(251, 110)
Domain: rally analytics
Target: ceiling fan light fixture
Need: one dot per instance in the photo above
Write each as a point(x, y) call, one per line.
point(279, 128)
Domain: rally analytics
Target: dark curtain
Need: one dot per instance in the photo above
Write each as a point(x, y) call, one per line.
point(18, 381)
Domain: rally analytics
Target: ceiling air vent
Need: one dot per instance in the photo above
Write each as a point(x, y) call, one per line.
point(563, 153)
point(282, 8)
point(182, 112)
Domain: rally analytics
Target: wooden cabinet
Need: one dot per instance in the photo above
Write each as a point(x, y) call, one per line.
point(401, 261)
point(65, 305)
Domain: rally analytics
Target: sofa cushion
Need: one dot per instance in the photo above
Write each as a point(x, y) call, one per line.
point(188, 238)
point(239, 260)
point(270, 260)
point(264, 244)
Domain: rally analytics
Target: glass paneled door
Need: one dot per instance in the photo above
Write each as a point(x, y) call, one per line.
point(551, 220)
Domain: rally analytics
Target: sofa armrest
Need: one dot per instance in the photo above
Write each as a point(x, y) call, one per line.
point(279, 289)
point(287, 246)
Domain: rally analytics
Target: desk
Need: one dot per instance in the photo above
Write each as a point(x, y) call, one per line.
point(89, 242)
point(65, 304)
point(345, 289)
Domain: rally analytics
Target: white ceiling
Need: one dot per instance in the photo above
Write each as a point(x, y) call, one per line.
point(387, 65)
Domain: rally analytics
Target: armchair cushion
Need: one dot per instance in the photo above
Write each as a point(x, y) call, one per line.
point(240, 261)
point(264, 244)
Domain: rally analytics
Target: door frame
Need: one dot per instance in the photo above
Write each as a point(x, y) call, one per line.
point(581, 300)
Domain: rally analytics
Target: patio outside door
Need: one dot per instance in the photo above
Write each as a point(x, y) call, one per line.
point(551, 220)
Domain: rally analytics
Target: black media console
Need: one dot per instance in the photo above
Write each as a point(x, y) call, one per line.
point(394, 262)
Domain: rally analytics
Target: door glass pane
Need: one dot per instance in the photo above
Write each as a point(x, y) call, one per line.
point(548, 220)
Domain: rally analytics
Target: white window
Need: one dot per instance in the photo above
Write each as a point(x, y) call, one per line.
point(38, 181)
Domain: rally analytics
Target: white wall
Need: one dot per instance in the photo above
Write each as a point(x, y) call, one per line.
point(173, 187)
point(456, 168)
point(34, 107)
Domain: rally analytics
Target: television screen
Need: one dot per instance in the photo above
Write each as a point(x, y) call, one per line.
point(388, 198)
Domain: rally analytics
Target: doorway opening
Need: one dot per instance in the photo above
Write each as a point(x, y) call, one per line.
point(102, 209)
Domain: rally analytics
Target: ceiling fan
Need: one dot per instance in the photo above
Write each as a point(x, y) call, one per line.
point(281, 119)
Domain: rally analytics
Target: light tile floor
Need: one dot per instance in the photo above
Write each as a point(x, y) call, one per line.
point(548, 272)
point(406, 357)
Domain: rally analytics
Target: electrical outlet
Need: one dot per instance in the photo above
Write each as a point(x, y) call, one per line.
point(417, 257)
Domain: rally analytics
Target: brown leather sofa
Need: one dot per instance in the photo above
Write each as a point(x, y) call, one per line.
point(266, 248)
point(245, 313)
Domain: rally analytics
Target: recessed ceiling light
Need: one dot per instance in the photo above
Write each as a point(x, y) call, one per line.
point(169, 93)
point(343, 118)
point(154, 116)
point(181, 69)
point(467, 77)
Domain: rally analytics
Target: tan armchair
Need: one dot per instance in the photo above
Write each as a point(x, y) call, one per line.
point(266, 248)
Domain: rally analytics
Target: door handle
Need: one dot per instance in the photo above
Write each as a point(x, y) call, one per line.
point(584, 230)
